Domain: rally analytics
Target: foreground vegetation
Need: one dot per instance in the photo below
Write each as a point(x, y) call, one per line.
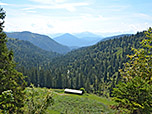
point(134, 92)
point(12, 82)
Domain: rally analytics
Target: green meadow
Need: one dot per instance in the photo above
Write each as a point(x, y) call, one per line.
point(74, 104)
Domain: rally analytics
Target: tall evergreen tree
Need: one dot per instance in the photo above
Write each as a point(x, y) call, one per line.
point(11, 81)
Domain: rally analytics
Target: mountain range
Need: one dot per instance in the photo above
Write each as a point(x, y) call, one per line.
point(61, 44)
point(42, 41)
point(78, 40)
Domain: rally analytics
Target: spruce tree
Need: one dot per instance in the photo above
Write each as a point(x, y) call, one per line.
point(12, 83)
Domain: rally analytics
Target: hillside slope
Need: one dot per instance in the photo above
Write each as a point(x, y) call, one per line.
point(92, 66)
point(42, 41)
point(28, 55)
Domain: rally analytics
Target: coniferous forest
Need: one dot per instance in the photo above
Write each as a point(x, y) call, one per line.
point(95, 68)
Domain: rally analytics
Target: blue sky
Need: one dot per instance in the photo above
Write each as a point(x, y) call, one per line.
point(105, 17)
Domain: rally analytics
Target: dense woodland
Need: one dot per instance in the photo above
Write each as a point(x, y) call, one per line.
point(95, 68)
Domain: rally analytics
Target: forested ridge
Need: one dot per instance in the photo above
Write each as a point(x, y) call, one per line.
point(42, 41)
point(95, 68)
point(28, 55)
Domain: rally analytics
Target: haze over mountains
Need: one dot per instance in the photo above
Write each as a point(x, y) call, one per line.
point(78, 39)
point(70, 40)
point(61, 44)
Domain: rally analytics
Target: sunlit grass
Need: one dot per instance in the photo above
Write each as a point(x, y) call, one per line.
point(76, 104)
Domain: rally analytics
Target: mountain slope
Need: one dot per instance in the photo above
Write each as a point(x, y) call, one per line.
point(92, 66)
point(28, 55)
point(42, 41)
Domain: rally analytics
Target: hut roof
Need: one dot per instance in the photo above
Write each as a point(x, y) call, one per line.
point(73, 91)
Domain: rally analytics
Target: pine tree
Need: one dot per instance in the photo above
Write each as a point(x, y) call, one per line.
point(12, 82)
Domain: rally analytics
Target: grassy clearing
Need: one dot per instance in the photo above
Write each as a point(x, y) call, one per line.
point(77, 104)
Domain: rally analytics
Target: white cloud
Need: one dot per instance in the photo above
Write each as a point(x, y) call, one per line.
point(49, 1)
point(63, 24)
point(33, 24)
point(68, 6)
point(29, 8)
point(3, 4)
point(143, 16)
point(87, 18)
point(31, 11)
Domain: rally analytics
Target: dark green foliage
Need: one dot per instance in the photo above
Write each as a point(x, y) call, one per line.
point(10, 79)
point(135, 93)
point(83, 90)
point(6, 102)
point(28, 55)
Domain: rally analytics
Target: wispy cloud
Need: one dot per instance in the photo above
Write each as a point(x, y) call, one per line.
point(51, 16)
point(31, 11)
point(68, 6)
point(48, 1)
point(4, 4)
point(143, 16)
